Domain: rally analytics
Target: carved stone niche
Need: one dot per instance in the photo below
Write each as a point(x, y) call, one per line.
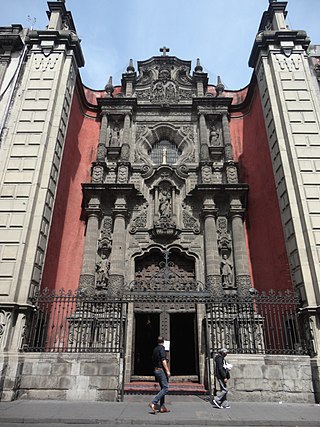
point(215, 145)
point(114, 140)
point(164, 225)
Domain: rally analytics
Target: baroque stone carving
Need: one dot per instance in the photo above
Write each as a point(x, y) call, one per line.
point(232, 174)
point(105, 241)
point(97, 174)
point(214, 286)
point(125, 152)
point(115, 286)
point(243, 284)
point(122, 174)
point(190, 222)
point(224, 238)
point(140, 221)
point(87, 284)
point(206, 174)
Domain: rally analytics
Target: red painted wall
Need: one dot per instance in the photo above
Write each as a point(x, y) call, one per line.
point(266, 245)
point(66, 240)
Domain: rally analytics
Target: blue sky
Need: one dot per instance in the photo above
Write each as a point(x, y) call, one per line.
point(219, 32)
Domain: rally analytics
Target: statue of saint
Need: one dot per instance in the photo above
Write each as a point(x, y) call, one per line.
point(226, 271)
point(214, 136)
point(115, 137)
point(164, 204)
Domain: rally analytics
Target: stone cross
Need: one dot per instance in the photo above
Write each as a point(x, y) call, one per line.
point(164, 50)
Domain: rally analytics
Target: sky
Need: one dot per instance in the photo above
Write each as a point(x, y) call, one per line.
point(219, 32)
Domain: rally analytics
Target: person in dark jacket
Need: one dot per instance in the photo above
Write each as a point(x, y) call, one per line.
point(162, 374)
point(222, 375)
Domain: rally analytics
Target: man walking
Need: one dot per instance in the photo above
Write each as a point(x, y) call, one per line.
point(222, 375)
point(162, 374)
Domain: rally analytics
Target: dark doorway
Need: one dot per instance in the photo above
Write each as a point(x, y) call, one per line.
point(182, 344)
point(146, 334)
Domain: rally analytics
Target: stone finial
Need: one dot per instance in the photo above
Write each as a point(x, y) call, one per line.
point(219, 86)
point(130, 68)
point(198, 68)
point(109, 87)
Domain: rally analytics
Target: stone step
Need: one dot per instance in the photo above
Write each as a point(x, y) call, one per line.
point(175, 387)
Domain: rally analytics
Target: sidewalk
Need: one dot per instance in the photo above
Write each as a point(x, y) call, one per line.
point(185, 411)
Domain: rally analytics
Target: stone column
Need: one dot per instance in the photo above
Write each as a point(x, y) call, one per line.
point(126, 129)
point(117, 256)
point(99, 166)
point(87, 277)
point(103, 134)
point(203, 129)
point(212, 259)
point(241, 267)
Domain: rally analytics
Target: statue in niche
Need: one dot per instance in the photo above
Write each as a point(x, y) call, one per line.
point(102, 270)
point(164, 204)
point(226, 271)
point(214, 136)
point(115, 137)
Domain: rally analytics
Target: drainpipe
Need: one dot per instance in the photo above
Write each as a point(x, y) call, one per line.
point(11, 83)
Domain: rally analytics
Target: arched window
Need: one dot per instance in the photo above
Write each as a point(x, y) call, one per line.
point(164, 153)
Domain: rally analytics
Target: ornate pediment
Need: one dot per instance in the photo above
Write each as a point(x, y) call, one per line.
point(164, 80)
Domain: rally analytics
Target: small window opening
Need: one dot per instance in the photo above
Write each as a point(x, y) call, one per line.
point(164, 153)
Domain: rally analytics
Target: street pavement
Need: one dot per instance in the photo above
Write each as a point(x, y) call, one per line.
point(188, 411)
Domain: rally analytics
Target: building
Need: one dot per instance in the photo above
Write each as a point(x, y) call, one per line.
point(165, 205)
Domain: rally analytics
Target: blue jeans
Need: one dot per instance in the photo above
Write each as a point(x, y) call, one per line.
point(163, 382)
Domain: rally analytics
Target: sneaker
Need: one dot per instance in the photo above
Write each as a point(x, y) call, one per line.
point(153, 407)
point(226, 407)
point(216, 404)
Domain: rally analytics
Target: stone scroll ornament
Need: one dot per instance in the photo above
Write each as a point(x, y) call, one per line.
point(140, 221)
point(190, 222)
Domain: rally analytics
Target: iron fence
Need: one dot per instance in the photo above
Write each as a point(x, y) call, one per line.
point(71, 322)
point(266, 323)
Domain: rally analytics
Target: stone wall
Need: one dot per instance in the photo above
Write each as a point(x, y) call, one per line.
point(98, 377)
point(62, 376)
point(271, 378)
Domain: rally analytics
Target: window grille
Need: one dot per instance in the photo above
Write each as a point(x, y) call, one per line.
point(164, 152)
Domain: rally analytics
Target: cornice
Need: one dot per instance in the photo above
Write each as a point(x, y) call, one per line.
point(277, 38)
point(49, 40)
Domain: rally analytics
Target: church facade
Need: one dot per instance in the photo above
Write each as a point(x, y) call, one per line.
point(165, 205)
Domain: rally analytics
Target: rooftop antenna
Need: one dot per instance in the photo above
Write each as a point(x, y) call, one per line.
point(32, 21)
